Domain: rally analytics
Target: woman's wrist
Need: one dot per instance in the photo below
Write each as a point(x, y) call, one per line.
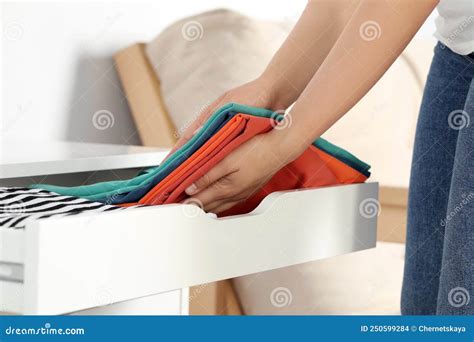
point(284, 146)
point(281, 94)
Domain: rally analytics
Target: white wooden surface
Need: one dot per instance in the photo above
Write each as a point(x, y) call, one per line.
point(23, 159)
point(75, 263)
point(33, 158)
point(168, 303)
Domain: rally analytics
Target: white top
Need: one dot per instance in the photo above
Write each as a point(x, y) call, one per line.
point(455, 25)
point(24, 159)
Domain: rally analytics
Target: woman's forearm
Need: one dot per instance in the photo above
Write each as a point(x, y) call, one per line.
point(374, 37)
point(305, 48)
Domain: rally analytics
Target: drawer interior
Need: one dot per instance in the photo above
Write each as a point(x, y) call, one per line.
point(73, 179)
point(66, 262)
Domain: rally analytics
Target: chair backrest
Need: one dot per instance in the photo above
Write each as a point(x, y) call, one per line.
point(142, 89)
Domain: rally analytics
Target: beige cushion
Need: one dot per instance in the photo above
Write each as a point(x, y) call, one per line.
point(200, 57)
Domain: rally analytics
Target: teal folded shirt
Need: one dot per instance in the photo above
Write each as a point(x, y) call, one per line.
point(131, 190)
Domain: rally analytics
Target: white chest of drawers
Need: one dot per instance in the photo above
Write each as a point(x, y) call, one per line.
point(141, 261)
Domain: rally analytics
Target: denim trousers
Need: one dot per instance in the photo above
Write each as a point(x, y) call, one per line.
point(439, 260)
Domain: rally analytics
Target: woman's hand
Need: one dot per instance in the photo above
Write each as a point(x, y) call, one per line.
point(250, 166)
point(238, 176)
point(258, 93)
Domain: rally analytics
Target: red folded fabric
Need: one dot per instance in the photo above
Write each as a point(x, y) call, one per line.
point(307, 171)
point(162, 191)
point(235, 132)
point(314, 168)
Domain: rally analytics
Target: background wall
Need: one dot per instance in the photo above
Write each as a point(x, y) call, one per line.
point(57, 68)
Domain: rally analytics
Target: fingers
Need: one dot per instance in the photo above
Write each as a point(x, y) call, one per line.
point(212, 191)
point(215, 177)
point(221, 195)
point(216, 199)
point(217, 196)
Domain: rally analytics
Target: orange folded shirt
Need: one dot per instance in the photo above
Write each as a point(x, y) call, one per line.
point(160, 192)
point(314, 168)
point(236, 131)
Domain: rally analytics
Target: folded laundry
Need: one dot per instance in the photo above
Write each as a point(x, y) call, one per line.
point(229, 132)
point(137, 188)
point(314, 168)
point(18, 206)
point(118, 191)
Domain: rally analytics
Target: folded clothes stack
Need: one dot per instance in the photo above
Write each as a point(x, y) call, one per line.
point(229, 127)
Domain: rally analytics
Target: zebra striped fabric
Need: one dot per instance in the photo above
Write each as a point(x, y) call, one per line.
point(20, 205)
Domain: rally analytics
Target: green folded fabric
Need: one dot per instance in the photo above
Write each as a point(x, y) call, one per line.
point(110, 189)
point(116, 191)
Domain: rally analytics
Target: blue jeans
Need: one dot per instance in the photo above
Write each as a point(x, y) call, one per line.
point(439, 260)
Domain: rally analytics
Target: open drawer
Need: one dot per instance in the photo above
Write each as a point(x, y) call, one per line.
point(125, 258)
point(61, 265)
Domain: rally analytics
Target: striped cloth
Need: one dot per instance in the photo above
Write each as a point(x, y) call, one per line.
point(18, 206)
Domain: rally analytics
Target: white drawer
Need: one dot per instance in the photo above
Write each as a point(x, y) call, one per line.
point(62, 265)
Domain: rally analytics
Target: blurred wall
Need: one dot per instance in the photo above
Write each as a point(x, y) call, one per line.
point(57, 69)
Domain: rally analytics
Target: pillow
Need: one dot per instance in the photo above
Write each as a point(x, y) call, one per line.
point(200, 57)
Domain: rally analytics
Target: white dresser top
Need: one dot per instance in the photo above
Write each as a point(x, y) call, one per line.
point(24, 159)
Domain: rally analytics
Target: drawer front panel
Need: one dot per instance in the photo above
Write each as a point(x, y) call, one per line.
point(80, 262)
point(12, 245)
point(74, 263)
point(168, 303)
point(11, 297)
